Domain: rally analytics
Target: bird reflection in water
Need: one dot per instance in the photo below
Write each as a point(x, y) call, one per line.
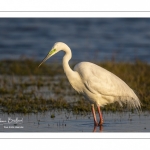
point(100, 128)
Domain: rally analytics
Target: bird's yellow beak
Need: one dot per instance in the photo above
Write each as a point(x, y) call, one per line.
point(51, 53)
point(44, 60)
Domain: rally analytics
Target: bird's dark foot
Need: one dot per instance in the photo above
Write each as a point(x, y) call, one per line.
point(101, 123)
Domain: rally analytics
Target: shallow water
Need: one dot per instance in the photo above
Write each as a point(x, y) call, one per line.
point(68, 122)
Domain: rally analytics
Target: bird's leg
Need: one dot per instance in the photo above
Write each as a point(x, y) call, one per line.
point(100, 116)
point(94, 116)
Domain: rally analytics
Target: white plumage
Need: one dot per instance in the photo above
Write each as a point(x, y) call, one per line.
point(98, 85)
point(103, 87)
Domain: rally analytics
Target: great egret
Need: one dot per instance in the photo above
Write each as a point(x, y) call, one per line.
point(97, 84)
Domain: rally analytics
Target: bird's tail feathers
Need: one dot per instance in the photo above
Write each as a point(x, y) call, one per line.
point(130, 102)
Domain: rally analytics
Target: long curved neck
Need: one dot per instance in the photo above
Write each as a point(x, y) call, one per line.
point(72, 76)
point(69, 72)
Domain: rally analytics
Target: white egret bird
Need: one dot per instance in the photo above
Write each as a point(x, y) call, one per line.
point(98, 85)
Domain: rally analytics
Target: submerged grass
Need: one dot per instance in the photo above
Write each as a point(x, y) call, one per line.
point(20, 81)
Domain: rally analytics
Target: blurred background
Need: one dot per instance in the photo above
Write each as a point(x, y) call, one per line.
point(90, 39)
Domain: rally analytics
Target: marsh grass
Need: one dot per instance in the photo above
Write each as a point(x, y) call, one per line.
point(23, 84)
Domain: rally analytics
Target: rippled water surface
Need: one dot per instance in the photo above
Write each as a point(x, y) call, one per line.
point(67, 122)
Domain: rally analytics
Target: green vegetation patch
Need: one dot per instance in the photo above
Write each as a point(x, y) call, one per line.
point(25, 88)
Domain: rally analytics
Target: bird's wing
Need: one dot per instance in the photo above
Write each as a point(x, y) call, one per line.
point(98, 80)
point(105, 87)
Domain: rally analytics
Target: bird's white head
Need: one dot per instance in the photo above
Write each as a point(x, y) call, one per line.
point(55, 49)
